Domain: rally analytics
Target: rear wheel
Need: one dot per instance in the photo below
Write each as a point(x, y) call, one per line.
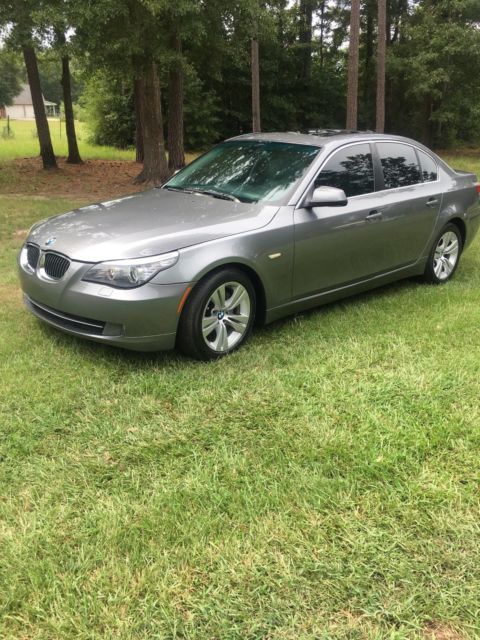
point(444, 256)
point(218, 315)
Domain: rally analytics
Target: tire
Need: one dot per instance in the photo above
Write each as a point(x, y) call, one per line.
point(444, 256)
point(210, 327)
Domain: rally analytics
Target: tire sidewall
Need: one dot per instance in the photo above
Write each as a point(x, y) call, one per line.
point(430, 274)
point(191, 340)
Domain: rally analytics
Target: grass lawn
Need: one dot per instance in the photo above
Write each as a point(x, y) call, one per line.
point(323, 482)
point(24, 142)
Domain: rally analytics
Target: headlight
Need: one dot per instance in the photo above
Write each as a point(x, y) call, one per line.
point(126, 274)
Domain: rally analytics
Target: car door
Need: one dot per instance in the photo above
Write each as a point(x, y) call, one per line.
point(337, 245)
point(409, 201)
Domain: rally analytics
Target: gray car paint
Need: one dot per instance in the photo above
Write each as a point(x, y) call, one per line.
point(147, 224)
point(325, 252)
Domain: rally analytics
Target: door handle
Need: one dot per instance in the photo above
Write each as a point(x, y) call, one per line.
point(374, 215)
point(431, 202)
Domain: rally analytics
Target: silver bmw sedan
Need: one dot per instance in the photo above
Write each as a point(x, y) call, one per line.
point(259, 227)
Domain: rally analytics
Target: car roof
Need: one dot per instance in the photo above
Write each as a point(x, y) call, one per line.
point(322, 137)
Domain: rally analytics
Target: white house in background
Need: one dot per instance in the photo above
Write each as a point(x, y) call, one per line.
point(22, 107)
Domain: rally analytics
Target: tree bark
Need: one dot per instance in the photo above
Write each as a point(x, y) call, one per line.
point(305, 38)
point(305, 74)
point(139, 152)
point(352, 82)
point(381, 54)
point(155, 166)
point(368, 85)
point(426, 136)
point(44, 139)
point(322, 32)
point(73, 152)
point(176, 152)
point(256, 121)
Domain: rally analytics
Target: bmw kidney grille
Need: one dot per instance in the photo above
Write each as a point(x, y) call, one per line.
point(53, 264)
point(33, 254)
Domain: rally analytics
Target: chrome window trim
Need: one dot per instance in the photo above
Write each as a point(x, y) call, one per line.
point(299, 204)
point(300, 199)
point(416, 149)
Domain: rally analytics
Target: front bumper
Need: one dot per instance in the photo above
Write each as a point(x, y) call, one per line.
point(143, 319)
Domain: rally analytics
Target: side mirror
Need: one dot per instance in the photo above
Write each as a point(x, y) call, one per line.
point(327, 197)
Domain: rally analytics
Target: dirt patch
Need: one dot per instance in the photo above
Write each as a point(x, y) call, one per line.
point(9, 294)
point(92, 180)
point(20, 233)
point(439, 631)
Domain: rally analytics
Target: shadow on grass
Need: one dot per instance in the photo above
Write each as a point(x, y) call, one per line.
point(132, 360)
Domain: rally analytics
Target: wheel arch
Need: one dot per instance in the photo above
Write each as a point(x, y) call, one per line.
point(460, 224)
point(260, 293)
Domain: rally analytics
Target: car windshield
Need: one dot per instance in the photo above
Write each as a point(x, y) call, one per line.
point(246, 170)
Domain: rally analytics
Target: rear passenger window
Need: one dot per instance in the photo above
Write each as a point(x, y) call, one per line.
point(400, 165)
point(350, 169)
point(429, 167)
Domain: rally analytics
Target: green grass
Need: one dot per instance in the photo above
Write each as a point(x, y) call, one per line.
point(24, 143)
point(465, 163)
point(323, 482)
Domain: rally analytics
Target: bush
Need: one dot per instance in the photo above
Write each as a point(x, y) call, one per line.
point(107, 106)
point(200, 115)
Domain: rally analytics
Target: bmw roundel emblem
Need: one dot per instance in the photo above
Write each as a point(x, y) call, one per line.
point(50, 241)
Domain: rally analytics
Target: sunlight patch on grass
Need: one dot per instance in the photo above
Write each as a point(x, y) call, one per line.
point(24, 142)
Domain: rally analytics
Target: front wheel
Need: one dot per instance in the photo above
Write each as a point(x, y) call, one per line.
point(444, 256)
point(218, 315)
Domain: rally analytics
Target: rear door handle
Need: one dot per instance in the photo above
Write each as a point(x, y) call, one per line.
point(431, 202)
point(374, 215)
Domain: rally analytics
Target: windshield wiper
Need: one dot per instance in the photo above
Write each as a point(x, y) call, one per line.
point(176, 189)
point(207, 192)
point(215, 194)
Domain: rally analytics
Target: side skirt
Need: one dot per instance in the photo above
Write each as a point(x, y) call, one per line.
point(345, 291)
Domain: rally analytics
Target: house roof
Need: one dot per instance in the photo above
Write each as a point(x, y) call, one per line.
point(25, 97)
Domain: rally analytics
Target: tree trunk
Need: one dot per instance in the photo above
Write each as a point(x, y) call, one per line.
point(155, 166)
point(305, 38)
point(368, 85)
point(139, 153)
point(381, 53)
point(352, 82)
point(322, 32)
point(176, 153)
point(426, 136)
point(73, 152)
point(256, 122)
point(44, 139)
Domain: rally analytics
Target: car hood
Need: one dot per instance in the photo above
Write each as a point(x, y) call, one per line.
point(147, 223)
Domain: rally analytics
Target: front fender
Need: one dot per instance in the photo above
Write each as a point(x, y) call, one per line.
point(267, 251)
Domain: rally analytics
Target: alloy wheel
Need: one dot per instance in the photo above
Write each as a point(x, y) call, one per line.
point(226, 316)
point(446, 255)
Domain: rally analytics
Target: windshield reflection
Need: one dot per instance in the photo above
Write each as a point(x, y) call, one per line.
point(248, 171)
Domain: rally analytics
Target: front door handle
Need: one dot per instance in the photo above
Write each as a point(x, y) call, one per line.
point(432, 202)
point(374, 215)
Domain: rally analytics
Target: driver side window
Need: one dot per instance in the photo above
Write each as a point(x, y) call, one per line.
point(350, 169)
